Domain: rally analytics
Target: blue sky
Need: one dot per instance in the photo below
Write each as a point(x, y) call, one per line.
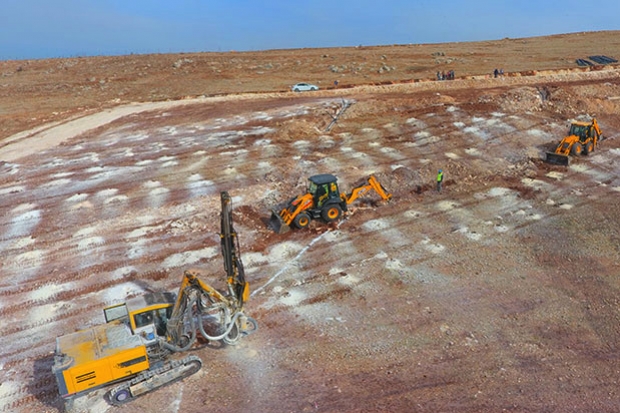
point(68, 28)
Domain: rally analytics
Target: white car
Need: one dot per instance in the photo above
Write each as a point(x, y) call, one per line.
point(304, 87)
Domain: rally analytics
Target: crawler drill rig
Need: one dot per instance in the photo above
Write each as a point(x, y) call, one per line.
point(135, 351)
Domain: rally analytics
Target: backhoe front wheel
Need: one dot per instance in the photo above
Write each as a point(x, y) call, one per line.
point(331, 213)
point(576, 149)
point(302, 220)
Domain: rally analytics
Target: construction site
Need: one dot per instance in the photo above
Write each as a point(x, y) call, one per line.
point(500, 292)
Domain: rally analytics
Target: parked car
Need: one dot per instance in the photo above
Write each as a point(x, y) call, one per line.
point(304, 87)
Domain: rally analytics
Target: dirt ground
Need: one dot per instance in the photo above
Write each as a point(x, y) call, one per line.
point(498, 294)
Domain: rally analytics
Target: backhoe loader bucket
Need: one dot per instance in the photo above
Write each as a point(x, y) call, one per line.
point(557, 159)
point(277, 223)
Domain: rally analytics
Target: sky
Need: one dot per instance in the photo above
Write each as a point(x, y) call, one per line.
point(33, 29)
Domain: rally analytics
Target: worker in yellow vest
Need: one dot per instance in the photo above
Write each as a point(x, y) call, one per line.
point(439, 180)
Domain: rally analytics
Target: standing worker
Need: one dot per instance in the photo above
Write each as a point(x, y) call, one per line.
point(439, 180)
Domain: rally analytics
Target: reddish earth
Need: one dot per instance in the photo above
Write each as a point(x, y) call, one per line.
point(498, 294)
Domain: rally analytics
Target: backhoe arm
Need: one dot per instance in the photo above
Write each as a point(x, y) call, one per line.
point(371, 183)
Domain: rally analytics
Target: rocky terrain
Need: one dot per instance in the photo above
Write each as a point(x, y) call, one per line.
point(498, 294)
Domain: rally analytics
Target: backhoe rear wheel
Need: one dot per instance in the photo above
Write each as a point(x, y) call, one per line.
point(331, 213)
point(589, 148)
point(302, 220)
point(576, 149)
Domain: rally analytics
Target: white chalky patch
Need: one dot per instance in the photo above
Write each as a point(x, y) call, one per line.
point(346, 149)
point(492, 122)
point(422, 135)
point(381, 255)
point(77, 198)
point(477, 119)
point(471, 129)
point(117, 293)
point(387, 149)
point(452, 155)
point(107, 192)
point(376, 224)
point(411, 120)
point(293, 298)
point(284, 250)
point(12, 190)
point(469, 234)
point(447, 205)
point(151, 184)
point(555, 175)
point(579, 167)
point(251, 259)
point(24, 223)
point(459, 125)
point(262, 142)
point(348, 279)
point(189, 257)
point(535, 132)
point(393, 264)
point(56, 183)
point(534, 183)
point(301, 144)
point(450, 109)
point(23, 242)
point(169, 164)
point(159, 191)
point(499, 191)
point(412, 214)
point(501, 228)
point(144, 162)
point(616, 188)
point(89, 243)
point(116, 199)
point(23, 207)
point(137, 248)
point(566, 206)
point(80, 205)
point(61, 175)
point(31, 259)
point(50, 290)
point(498, 114)
point(84, 232)
point(230, 171)
point(472, 151)
point(333, 236)
point(432, 247)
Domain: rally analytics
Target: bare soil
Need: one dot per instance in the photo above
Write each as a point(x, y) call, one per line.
point(498, 294)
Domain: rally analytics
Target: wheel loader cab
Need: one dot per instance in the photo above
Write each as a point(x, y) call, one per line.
point(323, 187)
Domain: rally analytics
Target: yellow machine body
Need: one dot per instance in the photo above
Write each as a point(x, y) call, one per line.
point(97, 356)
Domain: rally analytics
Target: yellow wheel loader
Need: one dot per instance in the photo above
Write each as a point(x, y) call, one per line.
point(135, 351)
point(582, 138)
point(323, 201)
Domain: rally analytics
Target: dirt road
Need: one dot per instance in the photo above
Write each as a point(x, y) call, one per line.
point(498, 294)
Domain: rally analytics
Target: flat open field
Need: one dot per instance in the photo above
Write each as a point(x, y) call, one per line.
point(498, 294)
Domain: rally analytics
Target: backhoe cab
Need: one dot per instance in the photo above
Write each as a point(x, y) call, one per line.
point(582, 138)
point(323, 201)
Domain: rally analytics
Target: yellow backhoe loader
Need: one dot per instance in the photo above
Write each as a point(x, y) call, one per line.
point(135, 350)
point(582, 138)
point(322, 201)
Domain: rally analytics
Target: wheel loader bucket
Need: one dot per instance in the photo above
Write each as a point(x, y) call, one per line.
point(277, 223)
point(557, 159)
